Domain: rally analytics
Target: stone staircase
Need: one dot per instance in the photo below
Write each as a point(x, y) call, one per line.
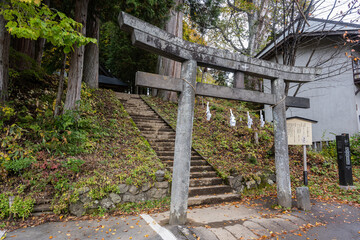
point(205, 186)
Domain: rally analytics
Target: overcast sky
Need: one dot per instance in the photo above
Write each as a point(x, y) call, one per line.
point(342, 7)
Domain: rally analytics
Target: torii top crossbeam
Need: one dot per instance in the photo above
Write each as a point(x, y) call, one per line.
point(149, 37)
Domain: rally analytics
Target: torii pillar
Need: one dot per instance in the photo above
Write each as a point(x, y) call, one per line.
point(183, 140)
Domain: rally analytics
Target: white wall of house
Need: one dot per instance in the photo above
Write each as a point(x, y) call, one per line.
point(333, 102)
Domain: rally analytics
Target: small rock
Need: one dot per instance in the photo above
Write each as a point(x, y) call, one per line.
point(92, 205)
point(140, 197)
point(270, 182)
point(107, 203)
point(115, 198)
point(251, 184)
point(134, 190)
point(154, 193)
point(272, 177)
point(160, 175)
point(237, 181)
point(240, 189)
point(128, 197)
point(162, 184)
point(85, 199)
point(146, 187)
point(303, 198)
point(77, 209)
point(123, 188)
point(83, 190)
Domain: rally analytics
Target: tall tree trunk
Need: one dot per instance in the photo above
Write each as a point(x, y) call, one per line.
point(4, 60)
point(91, 57)
point(39, 50)
point(40, 44)
point(60, 88)
point(169, 67)
point(77, 60)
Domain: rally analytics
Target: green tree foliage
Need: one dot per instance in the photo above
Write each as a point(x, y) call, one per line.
point(33, 21)
point(116, 51)
point(204, 12)
point(120, 57)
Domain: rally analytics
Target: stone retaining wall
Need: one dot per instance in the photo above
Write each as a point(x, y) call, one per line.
point(125, 193)
point(239, 183)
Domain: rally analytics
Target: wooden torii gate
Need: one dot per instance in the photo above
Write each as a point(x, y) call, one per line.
point(154, 39)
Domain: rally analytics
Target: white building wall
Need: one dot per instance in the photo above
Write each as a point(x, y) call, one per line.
point(332, 95)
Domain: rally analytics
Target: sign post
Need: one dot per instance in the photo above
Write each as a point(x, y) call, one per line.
point(305, 167)
point(300, 133)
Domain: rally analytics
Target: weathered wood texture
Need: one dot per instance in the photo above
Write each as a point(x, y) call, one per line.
point(76, 61)
point(167, 66)
point(91, 55)
point(175, 84)
point(154, 39)
point(4, 60)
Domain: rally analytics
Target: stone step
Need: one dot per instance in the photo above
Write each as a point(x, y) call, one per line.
point(165, 141)
point(211, 199)
point(146, 115)
point(161, 133)
point(160, 137)
point(154, 118)
point(42, 213)
point(205, 182)
point(136, 105)
point(43, 201)
point(198, 168)
point(192, 163)
point(155, 127)
point(163, 147)
point(207, 174)
point(168, 142)
point(171, 153)
point(209, 190)
point(171, 157)
point(42, 208)
point(149, 126)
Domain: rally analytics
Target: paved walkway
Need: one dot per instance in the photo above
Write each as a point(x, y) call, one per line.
point(255, 220)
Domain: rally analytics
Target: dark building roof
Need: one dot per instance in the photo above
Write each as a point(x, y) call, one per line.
point(111, 81)
point(301, 118)
point(316, 27)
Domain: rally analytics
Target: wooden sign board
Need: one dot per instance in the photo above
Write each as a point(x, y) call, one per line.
point(299, 131)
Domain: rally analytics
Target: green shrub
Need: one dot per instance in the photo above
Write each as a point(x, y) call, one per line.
point(20, 208)
point(18, 163)
point(73, 164)
point(331, 152)
point(4, 206)
point(355, 148)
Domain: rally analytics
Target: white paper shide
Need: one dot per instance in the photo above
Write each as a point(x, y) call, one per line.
point(208, 114)
point(232, 119)
point(250, 121)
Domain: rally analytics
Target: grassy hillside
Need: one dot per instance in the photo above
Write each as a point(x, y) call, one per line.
point(233, 150)
point(42, 157)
